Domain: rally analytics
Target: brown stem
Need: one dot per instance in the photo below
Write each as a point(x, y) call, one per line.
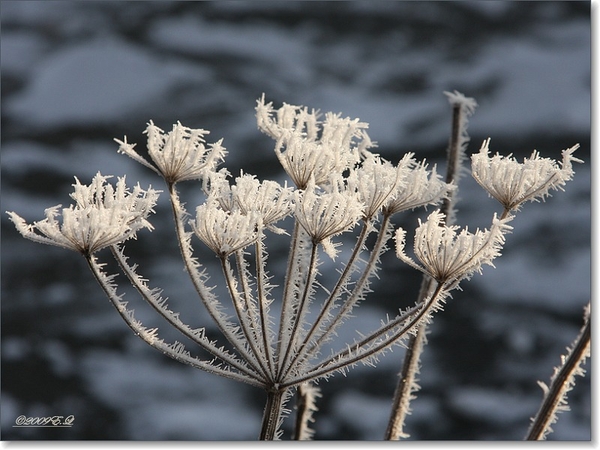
point(406, 383)
point(272, 414)
point(560, 383)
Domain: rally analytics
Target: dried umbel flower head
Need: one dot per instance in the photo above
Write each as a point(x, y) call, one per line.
point(271, 200)
point(513, 183)
point(102, 216)
point(420, 187)
point(448, 256)
point(376, 181)
point(324, 214)
point(178, 155)
point(225, 232)
point(307, 147)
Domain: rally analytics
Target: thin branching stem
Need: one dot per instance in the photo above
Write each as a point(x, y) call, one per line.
point(243, 316)
point(298, 320)
point(360, 351)
point(328, 306)
point(208, 299)
point(198, 337)
point(246, 295)
point(262, 303)
point(360, 286)
point(150, 337)
point(288, 291)
point(562, 382)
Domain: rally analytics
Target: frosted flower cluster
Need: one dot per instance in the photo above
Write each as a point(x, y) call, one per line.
point(178, 155)
point(307, 147)
point(448, 256)
point(103, 215)
point(326, 214)
point(513, 183)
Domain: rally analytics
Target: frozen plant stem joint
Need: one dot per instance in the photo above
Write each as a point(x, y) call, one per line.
point(282, 341)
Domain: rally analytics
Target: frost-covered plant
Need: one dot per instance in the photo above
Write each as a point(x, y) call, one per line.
point(286, 340)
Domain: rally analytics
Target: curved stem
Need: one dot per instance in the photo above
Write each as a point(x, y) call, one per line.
point(149, 336)
point(562, 382)
point(174, 320)
point(344, 359)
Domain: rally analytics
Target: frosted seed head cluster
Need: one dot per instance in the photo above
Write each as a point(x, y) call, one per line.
point(103, 215)
point(419, 187)
point(324, 214)
point(225, 232)
point(376, 181)
point(513, 183)
point(178, 155)
point(271, 200)
point(449, 256)
point(307, 147)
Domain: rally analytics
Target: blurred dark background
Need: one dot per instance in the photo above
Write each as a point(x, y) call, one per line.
point(75, 75)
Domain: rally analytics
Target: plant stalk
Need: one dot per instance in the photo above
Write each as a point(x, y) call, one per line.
point(272, 414)
point(407, 380)
point(561, 383)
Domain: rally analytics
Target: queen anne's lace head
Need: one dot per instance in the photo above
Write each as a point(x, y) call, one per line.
point(376, 181)
point(225, 232)
point(102, 216)
point(324, 214)
point(309, 148)
point(178, 155)
point(419, 187)
point(448, 256)
point(513, 183)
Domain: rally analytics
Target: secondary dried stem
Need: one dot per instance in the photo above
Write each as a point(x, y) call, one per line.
point(562, 382)
point(404, 393)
